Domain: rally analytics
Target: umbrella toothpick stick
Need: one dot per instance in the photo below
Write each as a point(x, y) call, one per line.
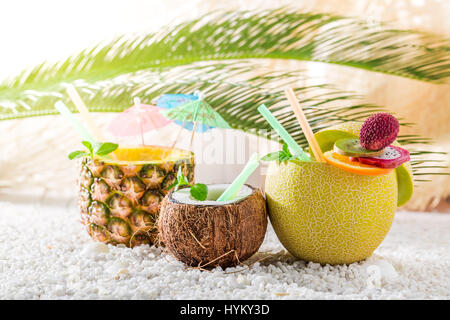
point(195, 124)
point(178, 135)
point(314, 145)
point(192, 135)
point(137, 103)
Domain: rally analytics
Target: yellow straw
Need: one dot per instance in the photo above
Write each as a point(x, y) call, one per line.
point(304, 124)
point(84, 112)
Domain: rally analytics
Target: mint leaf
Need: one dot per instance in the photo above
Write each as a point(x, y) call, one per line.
point(180, 181)
point(106, 148)
point(77, 154)
point(173, 185)
point(281, 156)
point(272, 156)
point(199, 191)
point(88, 145)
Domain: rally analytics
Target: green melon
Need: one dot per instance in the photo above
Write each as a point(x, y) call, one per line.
point(324, 214)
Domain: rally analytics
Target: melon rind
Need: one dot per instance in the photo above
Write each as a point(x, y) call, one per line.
point(323, 214)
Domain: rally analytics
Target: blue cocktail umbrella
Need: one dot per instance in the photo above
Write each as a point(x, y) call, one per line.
point(198, 112)
point(169, 101)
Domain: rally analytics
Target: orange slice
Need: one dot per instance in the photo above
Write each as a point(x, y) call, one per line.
point(344, 163)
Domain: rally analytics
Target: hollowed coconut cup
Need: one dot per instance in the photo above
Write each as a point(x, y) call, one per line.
point(208, 233)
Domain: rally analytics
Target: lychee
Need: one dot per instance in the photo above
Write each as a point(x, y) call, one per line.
point(378, 131)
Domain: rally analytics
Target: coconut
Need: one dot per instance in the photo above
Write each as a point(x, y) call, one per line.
point(209, 233)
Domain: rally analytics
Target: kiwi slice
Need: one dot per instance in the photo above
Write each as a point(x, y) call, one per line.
point(352, 148)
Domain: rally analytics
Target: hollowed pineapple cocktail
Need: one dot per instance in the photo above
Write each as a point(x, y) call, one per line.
point(120, 196)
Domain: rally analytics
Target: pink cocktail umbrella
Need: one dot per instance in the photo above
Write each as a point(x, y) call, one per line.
point(136, 120)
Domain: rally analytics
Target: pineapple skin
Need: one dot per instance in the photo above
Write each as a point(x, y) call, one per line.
point(120, 203)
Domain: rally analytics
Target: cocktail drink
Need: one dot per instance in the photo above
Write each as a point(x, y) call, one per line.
point(212, 233)
point(216, 225)
point(120, 196)
point(338, 211)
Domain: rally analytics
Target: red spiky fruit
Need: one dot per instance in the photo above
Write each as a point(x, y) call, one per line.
point(378, 131)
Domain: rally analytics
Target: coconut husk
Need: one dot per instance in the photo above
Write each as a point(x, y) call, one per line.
point(208, 236)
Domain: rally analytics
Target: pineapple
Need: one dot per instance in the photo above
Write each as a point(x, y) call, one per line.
point(119, 199)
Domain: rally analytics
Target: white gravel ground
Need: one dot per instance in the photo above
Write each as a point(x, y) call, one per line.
point(46, 254)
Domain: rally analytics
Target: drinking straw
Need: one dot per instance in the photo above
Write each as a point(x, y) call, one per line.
point(237, 184)
point(314, 145)
point(296, 149)
point(84, 112)
point(62, 108)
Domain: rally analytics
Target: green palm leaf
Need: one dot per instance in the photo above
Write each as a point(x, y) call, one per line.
point(278, 33)
point(108, 76)
point(236, 101)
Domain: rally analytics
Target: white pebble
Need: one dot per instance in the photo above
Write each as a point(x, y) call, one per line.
point(94, 249)
point(53, 262)
point(383, 269)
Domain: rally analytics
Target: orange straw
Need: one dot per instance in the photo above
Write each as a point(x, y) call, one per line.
point(304, 124)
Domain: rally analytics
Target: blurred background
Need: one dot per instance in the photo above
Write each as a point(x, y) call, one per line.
point(33, 160)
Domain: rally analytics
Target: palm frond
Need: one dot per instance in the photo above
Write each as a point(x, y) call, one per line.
point(109, 75)
point(279, 33)
point(236, 101)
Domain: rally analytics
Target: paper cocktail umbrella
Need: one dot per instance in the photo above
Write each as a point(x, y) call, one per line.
point(169, 101)
point(198, 112)
point(136, 120)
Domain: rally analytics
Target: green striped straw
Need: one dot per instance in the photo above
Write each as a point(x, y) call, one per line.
point(237, 184)
point(285, 136)
point(76, 124)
